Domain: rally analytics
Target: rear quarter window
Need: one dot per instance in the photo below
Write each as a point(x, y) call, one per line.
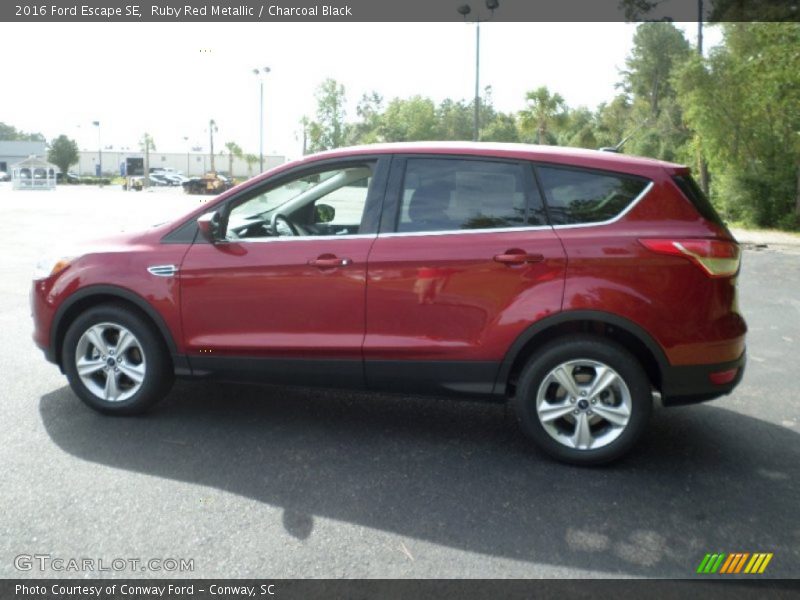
point(698, 199)
point(576, 196)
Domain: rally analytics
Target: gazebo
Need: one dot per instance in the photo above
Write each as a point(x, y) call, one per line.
point(33, 174)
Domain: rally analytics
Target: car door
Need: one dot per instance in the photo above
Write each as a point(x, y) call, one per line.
point(465, 260)
point(281, 298)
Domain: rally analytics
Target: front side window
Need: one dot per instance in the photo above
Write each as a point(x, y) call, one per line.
point(455, 194)
point(329, 202)
point(580, 196)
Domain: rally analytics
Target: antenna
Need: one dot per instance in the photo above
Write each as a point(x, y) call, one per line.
point(619, 146)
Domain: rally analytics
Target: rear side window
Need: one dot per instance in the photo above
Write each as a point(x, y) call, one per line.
point(698, 199)
point(576, 196)
point(453, 194)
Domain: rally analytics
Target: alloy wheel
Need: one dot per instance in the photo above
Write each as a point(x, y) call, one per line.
point(110, 362)
point(583, 404)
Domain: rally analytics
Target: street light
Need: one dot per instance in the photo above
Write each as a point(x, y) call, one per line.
point(464, 10)
point(99, 150)
point(212, 129)
point(260, 73)
point(186, 139)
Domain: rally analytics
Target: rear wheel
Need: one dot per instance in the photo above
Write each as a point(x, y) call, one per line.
point(115, 361)
point(584, 400)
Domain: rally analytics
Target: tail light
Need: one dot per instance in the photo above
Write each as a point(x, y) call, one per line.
point(717, 258)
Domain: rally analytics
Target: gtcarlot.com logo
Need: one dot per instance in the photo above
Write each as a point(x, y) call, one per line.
point(734, 563)
point(48, 562)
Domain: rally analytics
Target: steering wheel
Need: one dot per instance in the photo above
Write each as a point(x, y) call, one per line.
point(280, 225)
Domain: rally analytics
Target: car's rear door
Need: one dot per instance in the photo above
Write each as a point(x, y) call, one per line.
point(465, 260)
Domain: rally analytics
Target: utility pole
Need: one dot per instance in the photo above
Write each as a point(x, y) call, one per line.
point(261, 74)
point(476, 118)
point(464, 10)
point(147, 145)
point(186, 139)
point(99, 150)
point(212, 127)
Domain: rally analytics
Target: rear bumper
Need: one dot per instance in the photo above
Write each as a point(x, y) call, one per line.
point(690, 384)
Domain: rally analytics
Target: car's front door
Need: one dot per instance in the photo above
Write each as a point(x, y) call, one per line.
point(281, 298)
point(464, 262)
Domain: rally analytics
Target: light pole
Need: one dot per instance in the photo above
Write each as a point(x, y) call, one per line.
point(261, 73)
point(186, 139)
point(99, 150)
point(464, 10)
point(212, 129)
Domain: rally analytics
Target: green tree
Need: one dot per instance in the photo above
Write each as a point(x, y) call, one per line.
point(495, 126)
point(501, 128)
point(543, 113)
point(234, 151)
point(743, 102)
point(614, 121)
point(659, 48)
point(251, 160)
point(454, 120)
point(579, 129)
point(329, 129)
point(411, 119)
point(370, 111)
point(63, 153)
point(12, 134)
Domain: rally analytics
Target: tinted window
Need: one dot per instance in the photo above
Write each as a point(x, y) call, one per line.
point(453, 194)
point(696, 196)
point(578, 196)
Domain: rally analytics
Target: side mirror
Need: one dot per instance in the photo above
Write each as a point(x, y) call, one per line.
point(210, 227)
point(324, 213)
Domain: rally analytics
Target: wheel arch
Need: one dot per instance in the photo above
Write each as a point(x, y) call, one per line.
point(623, 331)
point(95, 295)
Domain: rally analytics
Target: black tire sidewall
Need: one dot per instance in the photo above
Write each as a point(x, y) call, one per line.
point(586, 347)
point(158, 374)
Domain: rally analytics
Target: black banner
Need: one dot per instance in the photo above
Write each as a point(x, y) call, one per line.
point(397, 10)
point(416, 589)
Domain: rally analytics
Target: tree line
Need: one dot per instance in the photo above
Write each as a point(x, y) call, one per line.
point(734, 116)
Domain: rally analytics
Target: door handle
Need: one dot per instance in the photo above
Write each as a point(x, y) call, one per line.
point(328, 262)
point(512, 257)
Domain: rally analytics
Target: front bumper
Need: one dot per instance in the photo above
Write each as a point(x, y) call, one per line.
point(690, 384)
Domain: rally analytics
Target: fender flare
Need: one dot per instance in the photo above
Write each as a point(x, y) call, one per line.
point(568, 316)
point(116, 292)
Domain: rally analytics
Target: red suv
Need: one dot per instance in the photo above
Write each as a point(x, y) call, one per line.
point(575, 283)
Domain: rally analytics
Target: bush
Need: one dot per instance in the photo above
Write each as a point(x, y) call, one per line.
point(761, 196)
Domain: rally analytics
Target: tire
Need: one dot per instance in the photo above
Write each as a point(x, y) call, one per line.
point(107, 382)
point(582, 426)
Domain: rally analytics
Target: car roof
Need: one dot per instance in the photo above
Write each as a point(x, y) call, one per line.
point(552, 154)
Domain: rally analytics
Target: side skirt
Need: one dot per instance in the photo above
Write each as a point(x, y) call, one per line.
point(453, 378)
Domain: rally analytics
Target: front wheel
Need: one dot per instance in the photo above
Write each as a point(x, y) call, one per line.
point(584, 400)
point(115, 361)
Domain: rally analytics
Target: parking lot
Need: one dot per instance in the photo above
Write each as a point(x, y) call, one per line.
point(273, 482)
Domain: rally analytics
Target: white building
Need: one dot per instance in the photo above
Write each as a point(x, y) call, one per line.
point(188, 163)
point(14, 152)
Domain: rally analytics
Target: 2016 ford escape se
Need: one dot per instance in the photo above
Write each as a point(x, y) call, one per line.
point(573, 282)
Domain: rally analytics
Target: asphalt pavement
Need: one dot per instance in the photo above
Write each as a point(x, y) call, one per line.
point(251, 481)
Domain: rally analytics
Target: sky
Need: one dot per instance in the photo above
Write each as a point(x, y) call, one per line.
point(169, 79)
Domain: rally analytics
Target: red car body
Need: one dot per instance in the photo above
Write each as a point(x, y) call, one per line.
point(457, 312)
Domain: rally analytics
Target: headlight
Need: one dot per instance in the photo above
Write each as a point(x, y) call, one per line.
point(47, 267)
